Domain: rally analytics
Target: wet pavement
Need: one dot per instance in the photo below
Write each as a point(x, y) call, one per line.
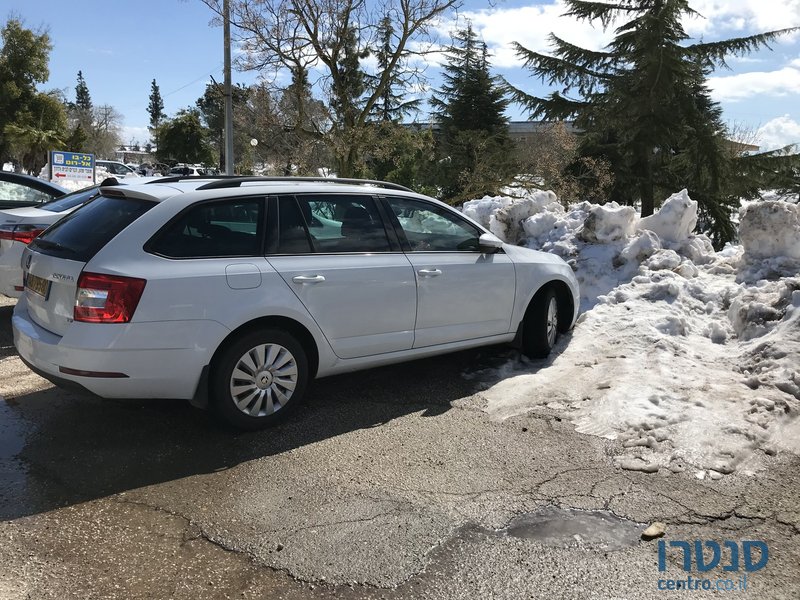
point(392, 483)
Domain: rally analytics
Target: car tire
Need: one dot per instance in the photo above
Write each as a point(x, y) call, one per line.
point(540, 326)
point(259, 379)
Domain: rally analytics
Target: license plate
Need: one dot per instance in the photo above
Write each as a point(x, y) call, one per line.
point(37, 285)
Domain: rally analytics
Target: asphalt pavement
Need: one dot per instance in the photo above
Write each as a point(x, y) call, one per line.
point(390, 483)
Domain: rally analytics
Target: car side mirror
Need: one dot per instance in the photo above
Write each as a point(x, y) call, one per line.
point(488, 242)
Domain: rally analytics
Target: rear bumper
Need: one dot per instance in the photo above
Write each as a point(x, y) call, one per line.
point(159, 360)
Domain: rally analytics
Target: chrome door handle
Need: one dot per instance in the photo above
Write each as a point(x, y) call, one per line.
point(308, 279)
point(429, 272)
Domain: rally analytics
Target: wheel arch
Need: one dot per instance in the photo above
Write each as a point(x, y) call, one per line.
point(564, 301)
point(287, 324)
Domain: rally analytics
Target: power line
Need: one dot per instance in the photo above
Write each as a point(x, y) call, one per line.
point(203, 76)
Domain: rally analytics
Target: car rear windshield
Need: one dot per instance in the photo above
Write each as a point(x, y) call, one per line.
point(81, 234)
point(70, 200)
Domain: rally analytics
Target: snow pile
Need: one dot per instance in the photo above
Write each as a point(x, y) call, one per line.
point(770, 229)
point(687, 357)
point(676, 219)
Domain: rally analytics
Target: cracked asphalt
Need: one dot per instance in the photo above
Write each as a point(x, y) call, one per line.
point(391, 483)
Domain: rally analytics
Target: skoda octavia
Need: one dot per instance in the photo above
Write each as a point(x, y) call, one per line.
point(236, 292)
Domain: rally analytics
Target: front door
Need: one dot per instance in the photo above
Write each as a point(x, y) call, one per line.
point(334, 253)
point(462, 293)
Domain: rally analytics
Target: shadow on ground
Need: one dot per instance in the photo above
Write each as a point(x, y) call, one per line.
point(59, 448)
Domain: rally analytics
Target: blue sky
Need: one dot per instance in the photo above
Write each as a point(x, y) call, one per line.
point(121, 46)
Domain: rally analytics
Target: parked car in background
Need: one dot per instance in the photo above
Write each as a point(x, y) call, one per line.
point(116, 169)
point(239, 291)
point(19, 226)
point(153, 169)
point(17, 190)
point(191, 171)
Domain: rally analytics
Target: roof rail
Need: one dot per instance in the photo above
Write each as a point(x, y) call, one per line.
point(174, 178)
point(222, 181)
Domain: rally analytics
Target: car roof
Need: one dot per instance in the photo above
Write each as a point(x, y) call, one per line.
point(32, 182)
point(165, 187)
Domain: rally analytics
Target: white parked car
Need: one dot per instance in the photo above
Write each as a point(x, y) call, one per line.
point(19, 226)
point(117, 169)
point(236, 292)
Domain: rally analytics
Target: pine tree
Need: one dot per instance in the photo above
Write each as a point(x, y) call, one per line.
point(390, 105)
point(474, 145)
point(644, 105)
point(156, 106)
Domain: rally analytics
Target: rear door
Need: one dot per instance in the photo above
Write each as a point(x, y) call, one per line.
point(53, 262)
point(462, 293)
point(336, 255)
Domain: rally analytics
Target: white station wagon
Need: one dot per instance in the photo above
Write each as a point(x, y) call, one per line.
point(236, 292)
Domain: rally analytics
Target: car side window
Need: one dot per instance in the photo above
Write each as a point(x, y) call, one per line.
point(432, 228)
point(330, 223)
point(213, 230)
point(14, 192)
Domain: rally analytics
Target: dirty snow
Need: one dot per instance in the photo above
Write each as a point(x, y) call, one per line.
point(690, 358)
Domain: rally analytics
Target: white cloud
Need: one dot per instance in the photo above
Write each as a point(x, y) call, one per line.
point(530, 26)
point(749, 16)
point(732, 88)
point(779, 132)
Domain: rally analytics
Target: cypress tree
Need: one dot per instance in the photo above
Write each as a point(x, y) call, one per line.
point(155, 108)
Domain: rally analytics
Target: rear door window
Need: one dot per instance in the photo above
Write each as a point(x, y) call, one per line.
point(81, 234)
point(330, 224)
point(216, 229)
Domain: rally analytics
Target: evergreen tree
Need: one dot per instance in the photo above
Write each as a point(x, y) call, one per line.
point(390, 105)
point(81, 112)
point(76, 142)
point(474, 144)
point(302, 119)
point(211, 108)
point(644, 105)
point(23, 63)
point(348, 88)
point(38, 130)
point(156, 106)
point(184, 139)
point(83, 101)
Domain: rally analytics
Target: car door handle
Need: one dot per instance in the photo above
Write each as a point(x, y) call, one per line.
point(429, 272)
point(308, 279)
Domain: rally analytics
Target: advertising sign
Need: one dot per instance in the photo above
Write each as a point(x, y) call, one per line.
point(71, 166)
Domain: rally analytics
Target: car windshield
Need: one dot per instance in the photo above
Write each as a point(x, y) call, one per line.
point(70, 200)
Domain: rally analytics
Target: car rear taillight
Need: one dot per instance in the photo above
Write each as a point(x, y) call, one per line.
point(21, 233)
point(107, 298)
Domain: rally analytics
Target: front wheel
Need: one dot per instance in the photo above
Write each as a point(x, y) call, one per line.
point(540, 327)
point(259, 379)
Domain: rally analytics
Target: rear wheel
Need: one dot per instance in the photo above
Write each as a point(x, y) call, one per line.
point(259, 379)
point(540, 327)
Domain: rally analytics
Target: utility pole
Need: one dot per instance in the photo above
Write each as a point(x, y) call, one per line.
point(228, 94)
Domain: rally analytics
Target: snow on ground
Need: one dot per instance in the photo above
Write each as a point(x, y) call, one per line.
point(687, 356)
